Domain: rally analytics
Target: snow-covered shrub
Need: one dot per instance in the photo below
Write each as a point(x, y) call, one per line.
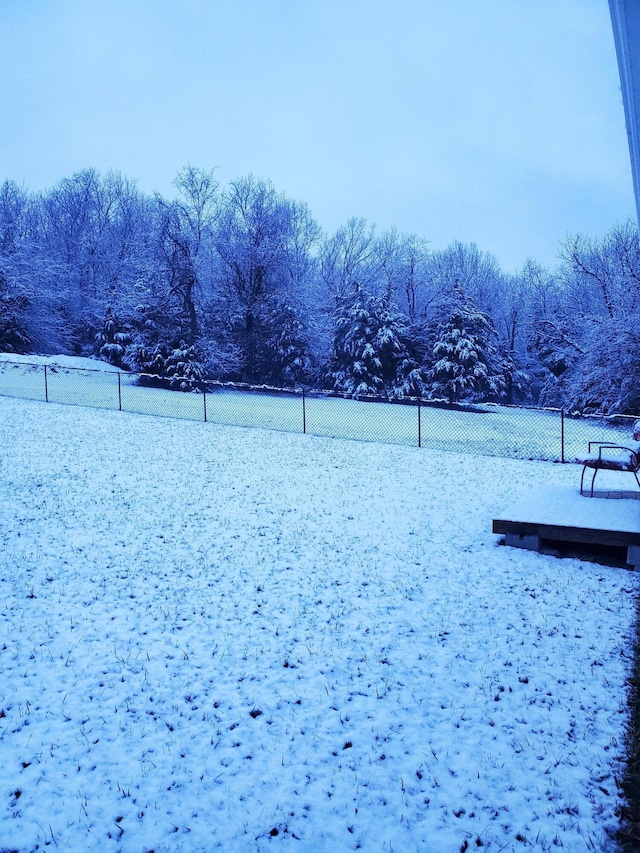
point(112, 341)
point(184, 369)
point(180, 368)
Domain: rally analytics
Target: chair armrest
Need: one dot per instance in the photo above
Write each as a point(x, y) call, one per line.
point(607, 445)
point(601, 444)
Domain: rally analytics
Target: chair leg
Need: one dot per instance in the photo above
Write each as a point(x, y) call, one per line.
point(593, 479)
point(584, 468)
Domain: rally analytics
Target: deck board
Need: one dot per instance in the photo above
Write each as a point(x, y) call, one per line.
point(561, 514)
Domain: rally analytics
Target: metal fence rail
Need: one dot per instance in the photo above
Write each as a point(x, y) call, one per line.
point(487, 429)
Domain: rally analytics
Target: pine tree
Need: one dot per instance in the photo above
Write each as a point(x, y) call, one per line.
point(179, 368)
point(183, 368)
point(516, 381)
point(371, 353)
point(112, 341)
point(464, 354)
point(287, 353)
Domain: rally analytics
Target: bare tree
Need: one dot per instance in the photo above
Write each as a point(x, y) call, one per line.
point(264, 244)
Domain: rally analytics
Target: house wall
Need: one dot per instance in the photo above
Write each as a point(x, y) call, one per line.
point(625, 19)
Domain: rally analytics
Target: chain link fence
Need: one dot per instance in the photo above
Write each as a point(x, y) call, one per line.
point(487, 429)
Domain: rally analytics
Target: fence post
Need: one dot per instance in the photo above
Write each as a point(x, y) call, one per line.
point(119, 394)
point(419, 425)
point(46, 386)
point(562, 433)
point(204, 400)
point(304, 413)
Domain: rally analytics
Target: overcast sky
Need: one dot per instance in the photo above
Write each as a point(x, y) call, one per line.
point(498, 122)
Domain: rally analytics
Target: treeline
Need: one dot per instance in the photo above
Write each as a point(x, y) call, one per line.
point(240, 283)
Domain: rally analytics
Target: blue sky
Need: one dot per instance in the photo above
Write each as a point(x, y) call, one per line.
point(497, 122)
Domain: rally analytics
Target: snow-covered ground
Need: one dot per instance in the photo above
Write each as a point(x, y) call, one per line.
point(224, 638)
point(494, 430)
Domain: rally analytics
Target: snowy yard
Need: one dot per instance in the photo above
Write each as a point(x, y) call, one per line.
point(493, 430)
point(214, 637)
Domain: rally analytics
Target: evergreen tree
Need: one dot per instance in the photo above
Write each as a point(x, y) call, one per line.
point(516, 381)
point(371, 352)
point(179, 368)
point(287, 356)
point(464, 353)
point(112, 341)
point(183, 367)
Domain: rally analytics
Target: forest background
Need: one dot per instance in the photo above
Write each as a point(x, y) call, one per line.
point(240, 283)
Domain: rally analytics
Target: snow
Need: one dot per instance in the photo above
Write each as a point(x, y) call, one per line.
point(564, 506)
point(225, 638)
point(66, 361)
point(494, 430)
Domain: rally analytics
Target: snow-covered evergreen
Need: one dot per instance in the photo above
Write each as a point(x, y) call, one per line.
point(179, 368)
point(288, 356)
point(371, 350)
point(464, 353)
point(113, 340)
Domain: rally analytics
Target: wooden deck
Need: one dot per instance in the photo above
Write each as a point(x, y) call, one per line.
point(559, 515)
